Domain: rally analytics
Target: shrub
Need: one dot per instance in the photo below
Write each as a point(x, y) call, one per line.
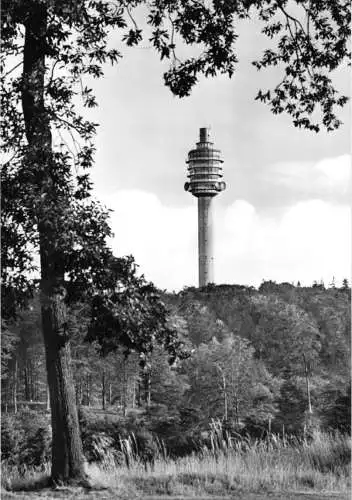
point(26, 438)
point(111, 438)
point(330, 452)
point(337, 410)
point(11, 439)
point(37, 450)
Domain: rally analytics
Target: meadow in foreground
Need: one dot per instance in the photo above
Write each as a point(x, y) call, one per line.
point(321, 464)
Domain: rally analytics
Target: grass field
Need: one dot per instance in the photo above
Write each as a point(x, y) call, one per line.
point(262, 469)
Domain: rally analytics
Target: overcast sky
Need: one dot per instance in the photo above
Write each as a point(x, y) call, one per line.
point(285, 214)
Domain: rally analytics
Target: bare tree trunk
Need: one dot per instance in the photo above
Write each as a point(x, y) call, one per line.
point(310, 410)
point(148, 388)
point(306, 373)
point(124, 389)
point(139, 391)
point(225, 397)
point(134, 394)
point(236, 410)
point(15, 386)
point(103, 390)
point(47, 398)
point(224, 391)
point(88, 390)
point(79, 393)
point(5, 387)
point(77, 390)
point(67, 453)
point(31, 382)
point(26, 382)
point(110, 393)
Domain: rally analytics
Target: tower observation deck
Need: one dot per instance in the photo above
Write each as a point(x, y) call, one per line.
point(205, 181)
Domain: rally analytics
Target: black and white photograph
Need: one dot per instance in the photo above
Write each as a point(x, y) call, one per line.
point(176, 249)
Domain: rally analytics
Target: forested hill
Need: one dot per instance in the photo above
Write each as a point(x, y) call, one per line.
point(278, 319)
point(287, 348)
point(275, 358)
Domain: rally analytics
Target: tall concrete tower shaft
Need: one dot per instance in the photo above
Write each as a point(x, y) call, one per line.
point(205, 174)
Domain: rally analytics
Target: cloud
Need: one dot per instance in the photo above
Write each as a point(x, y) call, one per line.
point(328, 179)
point(283, 184)
point(307, 241)
point(162, 239)
point(335, 173)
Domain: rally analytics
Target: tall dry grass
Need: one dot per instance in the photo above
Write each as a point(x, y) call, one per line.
point(321, 464)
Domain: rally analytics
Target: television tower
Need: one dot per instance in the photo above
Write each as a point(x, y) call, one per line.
point(205, 174)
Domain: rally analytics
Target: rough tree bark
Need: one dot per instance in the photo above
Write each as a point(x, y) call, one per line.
point(67, 454)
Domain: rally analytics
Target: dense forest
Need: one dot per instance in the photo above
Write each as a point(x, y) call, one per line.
point(273, 359)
